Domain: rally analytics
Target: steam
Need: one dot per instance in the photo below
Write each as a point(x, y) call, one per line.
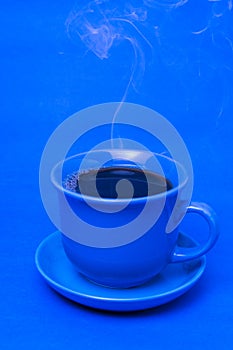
point(167, 4)
point(99, 25)
point(146, 25)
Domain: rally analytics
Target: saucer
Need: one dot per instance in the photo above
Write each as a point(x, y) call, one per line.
point(60, 274)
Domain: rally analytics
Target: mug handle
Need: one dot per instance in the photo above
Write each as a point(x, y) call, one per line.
point(184, 254)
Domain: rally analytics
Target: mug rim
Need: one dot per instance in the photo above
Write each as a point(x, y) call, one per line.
point(116, 201)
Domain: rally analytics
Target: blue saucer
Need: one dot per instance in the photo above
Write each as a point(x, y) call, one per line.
point(60, 274)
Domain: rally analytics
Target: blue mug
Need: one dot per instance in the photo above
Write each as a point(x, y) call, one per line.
point(125, 241)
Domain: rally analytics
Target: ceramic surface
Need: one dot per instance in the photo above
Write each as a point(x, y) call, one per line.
point(61, 275)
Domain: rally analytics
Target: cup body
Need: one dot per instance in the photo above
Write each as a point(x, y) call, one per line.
point(127, 265)
point(136, 260)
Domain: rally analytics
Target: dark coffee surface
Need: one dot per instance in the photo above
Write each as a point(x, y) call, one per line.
point(105, 180)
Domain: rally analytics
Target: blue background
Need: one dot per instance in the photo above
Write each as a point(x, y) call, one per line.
point(46, 77)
